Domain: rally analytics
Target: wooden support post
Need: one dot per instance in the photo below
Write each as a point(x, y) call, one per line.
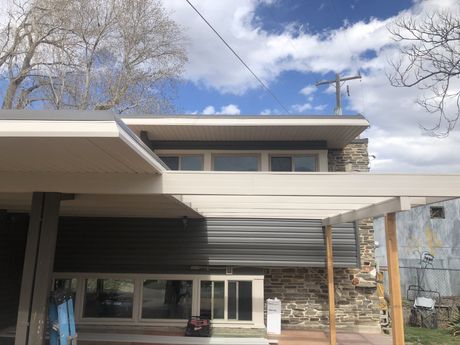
point(38, 269)
point(330, 285)
point(397, 322)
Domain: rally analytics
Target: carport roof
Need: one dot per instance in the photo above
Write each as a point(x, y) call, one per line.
point(110, 172)
point(71, 142)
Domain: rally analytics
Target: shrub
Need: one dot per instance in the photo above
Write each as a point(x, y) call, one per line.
point(454, 324)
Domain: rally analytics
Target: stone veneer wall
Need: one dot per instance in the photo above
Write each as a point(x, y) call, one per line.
point(303, 291)
point(354, 157)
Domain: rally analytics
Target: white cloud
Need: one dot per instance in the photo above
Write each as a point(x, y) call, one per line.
point(230, 109)
point(308, 90)
point(320, 107)
point(395, 136)
point(301, 107)
point(266, 112)
point(209, 110)
point(211, 64)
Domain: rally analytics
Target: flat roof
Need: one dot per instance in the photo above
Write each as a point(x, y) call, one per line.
point(55, 115)
point(336, 131)
point(72, 144)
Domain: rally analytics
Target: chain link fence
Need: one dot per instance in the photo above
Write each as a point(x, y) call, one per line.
point(443, 281)
point(442, 285)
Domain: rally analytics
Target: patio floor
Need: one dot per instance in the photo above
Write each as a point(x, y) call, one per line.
point(320, 338)
point(290, 337)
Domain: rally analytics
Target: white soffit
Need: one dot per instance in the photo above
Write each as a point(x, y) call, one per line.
point(337, 131)
point(334, 198)
point(92, 205)
point(72, 146)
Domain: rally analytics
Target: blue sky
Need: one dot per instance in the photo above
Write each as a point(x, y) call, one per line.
point(273, 17)
point(293, 44)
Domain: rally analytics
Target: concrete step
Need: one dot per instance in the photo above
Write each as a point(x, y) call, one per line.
point(166, 340)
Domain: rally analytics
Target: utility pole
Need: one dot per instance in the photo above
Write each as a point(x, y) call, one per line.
point(338, 96)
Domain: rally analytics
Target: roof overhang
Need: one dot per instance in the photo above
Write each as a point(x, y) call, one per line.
point(106, 205)
point(104, 169)
point(335, 131)
point(72, 142)
point(333, 198)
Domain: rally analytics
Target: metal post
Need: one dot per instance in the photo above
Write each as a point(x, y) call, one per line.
point(28, 270)
point(38, 269)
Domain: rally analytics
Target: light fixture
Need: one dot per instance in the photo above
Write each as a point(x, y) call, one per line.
point(185, 222)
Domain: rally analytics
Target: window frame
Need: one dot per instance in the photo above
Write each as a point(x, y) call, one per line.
point(141, 299)
point(179, 156)
point(138, 278)
point(83, 296)
point(292, 156)
point(238, 154)
point(228, 279)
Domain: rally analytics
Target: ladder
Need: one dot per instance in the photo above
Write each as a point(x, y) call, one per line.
point(61, 319)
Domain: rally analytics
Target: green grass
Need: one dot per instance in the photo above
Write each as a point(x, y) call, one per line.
point(425, 336)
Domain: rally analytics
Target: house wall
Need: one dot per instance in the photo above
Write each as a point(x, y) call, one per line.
point(303, 291)
point(353, 157)
point(136, 245)
point(264, 156)
point(13, 233)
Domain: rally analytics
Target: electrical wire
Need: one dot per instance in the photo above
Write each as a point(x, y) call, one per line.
point(240, 59)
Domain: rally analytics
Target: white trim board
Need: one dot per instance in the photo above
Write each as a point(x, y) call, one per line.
point(163, 339)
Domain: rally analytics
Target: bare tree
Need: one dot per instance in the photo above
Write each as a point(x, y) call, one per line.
point(31, 26)
point(430, 60)
point(120, 55)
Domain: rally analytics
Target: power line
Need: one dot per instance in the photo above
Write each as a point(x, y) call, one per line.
point(239, 58)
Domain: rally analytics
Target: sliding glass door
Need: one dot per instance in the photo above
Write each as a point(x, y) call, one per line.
point(226, 300)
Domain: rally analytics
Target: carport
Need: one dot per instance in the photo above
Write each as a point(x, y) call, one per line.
point(62, 164)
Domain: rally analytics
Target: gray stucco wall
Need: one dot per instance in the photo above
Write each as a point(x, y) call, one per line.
point(417, 232)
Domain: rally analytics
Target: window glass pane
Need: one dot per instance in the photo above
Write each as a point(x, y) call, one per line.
point(281, 164)
point(205, 299)
point(171, 162)
point(304, 163)
point(212, 299)
point(167, 299)
point(219, 294)
point(191, 162)
point(231, 301)
point(236, 163)
point(244, 300)
point(66, 284)
point(111, 298)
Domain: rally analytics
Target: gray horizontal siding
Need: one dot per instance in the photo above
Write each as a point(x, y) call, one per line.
point(149, 245)
point(13, 233)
